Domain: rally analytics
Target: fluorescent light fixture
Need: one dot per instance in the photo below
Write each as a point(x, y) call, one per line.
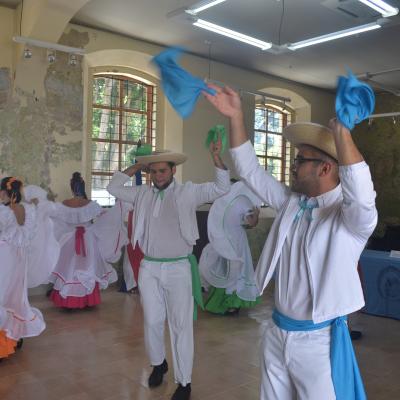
point(203, 5)
point(49, 45)
point(382, 7)
point(201, 23)
point(333, 36)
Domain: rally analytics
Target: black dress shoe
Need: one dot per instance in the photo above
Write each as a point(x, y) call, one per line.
point(182, 392)
point(156, 377)
point(20, 343)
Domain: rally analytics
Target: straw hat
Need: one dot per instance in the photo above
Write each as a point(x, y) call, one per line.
point(162, 156)
point(226, 217)
point(311, 134)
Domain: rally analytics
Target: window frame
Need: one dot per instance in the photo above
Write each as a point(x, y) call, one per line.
point(286, 114)
point(151, 90)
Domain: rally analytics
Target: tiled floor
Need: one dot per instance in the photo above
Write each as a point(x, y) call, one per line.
point(99, 355)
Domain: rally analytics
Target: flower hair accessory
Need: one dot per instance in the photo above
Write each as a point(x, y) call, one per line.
point(11, 181)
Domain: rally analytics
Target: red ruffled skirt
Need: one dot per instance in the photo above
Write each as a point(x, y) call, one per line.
point(90, 300)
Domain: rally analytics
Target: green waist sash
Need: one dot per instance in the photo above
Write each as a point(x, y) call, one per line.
point(196, 284)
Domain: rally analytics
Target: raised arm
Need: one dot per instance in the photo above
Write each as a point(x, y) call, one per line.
point(116, 186)
point(228, 103)
point(346, 149)
point(210, 191)
point(358, 210)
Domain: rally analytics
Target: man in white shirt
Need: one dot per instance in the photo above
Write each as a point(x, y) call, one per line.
point(166, 230)
point(321, 228)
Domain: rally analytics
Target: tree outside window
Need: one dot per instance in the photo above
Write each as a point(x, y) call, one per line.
point(272, 150)
point(123, 113)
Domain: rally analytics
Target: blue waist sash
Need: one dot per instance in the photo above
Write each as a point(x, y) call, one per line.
point(346, 376)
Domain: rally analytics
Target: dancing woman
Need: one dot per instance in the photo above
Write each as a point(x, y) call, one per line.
point(19, 225)
point(81, 270)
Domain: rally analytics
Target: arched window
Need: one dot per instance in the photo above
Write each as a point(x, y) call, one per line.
point(272, 150)
point(123, 112)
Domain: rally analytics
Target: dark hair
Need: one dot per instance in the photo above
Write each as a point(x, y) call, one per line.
point(171, 164)
point(78, 185)
point(12, 187)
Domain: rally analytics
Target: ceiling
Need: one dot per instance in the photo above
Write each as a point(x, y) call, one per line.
point(277, 21)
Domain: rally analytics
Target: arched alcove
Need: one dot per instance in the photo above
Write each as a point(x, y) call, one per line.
point(137, 65)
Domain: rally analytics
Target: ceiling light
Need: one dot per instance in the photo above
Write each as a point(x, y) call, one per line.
point(48, 45)
point(232, 34)
point(382, 7)
point(203, 6)
point(333, 36)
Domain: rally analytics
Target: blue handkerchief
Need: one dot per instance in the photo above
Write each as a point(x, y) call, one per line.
point(355, 101)
point(181, 88)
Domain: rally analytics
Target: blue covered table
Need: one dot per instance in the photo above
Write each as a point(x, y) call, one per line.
point(381, 280)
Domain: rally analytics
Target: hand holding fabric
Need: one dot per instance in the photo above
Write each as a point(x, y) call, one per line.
point(355, 101)
point(180, 87)
point(225, 100)
point(216, 147)
point(214, 134)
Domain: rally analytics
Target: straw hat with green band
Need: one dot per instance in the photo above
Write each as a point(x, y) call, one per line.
point(311, 134)
point(161, 156)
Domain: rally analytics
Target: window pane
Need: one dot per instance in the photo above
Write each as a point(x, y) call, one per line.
point(287, 150)
point(105, 124)
point(127, 155)
point(274, 121)
point(260, 143)
point(106, 91)
point(134, 126)
point(274, 147)
point(99, 192)
point(261, 160)
point(259, 119)
point(104, 157)
point(135, 96)
point(274, 168)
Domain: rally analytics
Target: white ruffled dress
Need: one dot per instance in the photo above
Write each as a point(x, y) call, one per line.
point(226, 262)
point(81, 269)
point(17, 318)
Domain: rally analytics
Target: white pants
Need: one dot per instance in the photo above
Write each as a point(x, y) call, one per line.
point(296, 365)
point(166, 292)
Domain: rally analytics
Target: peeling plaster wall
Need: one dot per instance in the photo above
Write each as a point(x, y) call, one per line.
point(380, 145)
point(41, 116)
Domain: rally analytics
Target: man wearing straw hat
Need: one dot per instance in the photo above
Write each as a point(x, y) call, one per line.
point(320, 230)
point(166, 229)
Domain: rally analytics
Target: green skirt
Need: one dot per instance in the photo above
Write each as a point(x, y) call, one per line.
point(219, 302)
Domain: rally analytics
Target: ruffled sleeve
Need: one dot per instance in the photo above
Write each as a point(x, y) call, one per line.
point(12, 232)
point(78, 215)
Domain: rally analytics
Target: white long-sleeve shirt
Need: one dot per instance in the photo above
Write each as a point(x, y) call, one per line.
point(328, 249)
point(162, 226)
point(181, 203)
point(292, 285)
